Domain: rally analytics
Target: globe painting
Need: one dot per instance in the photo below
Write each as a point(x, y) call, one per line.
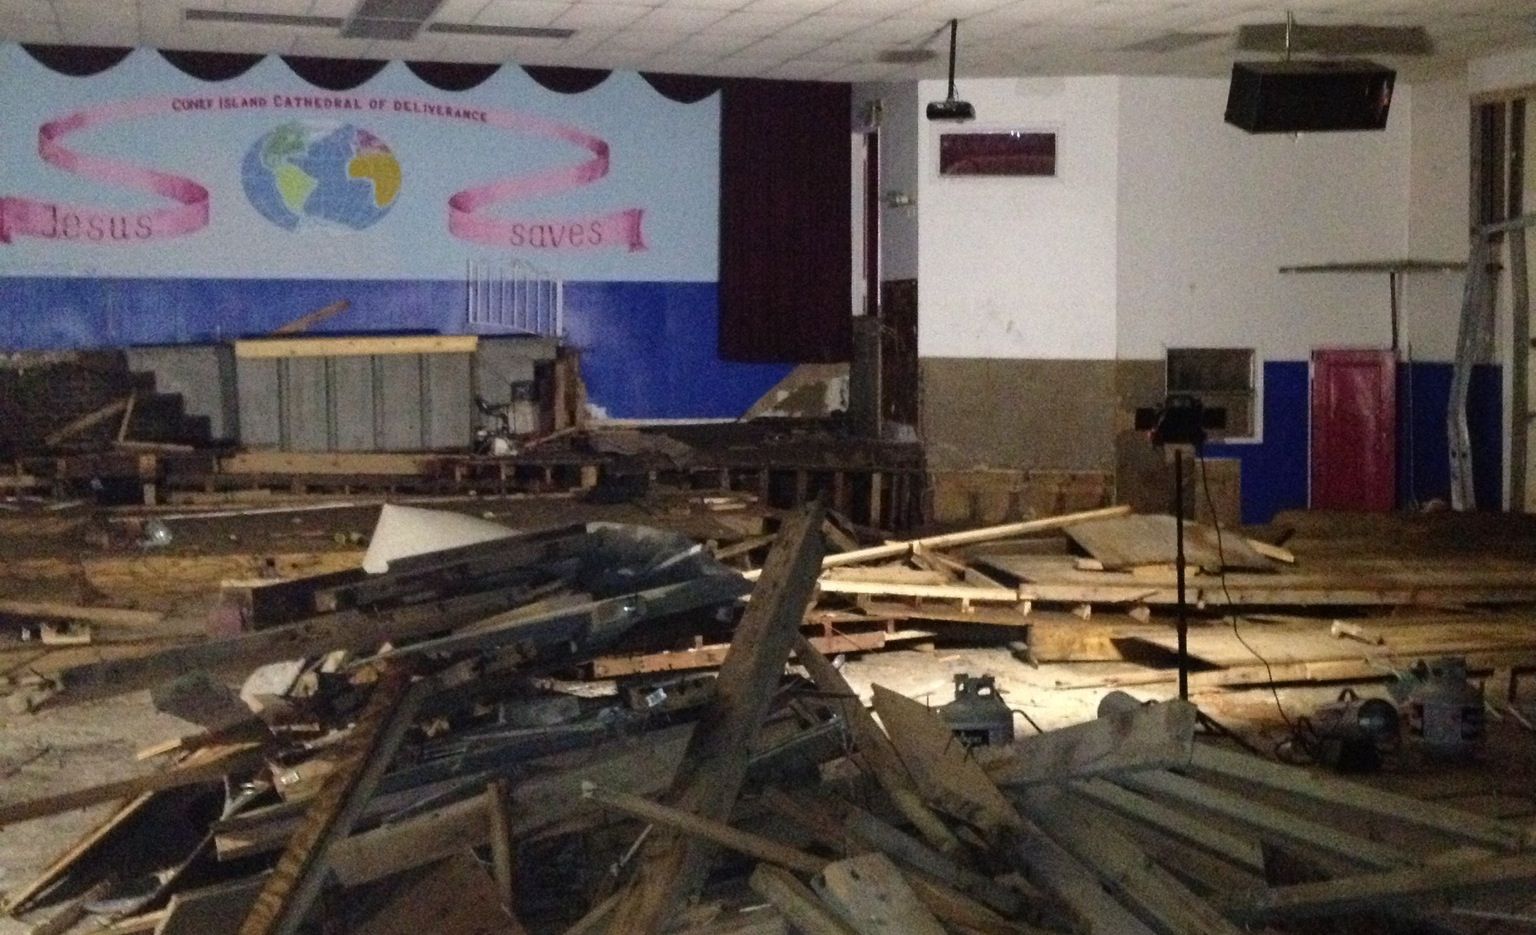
point(319, 173)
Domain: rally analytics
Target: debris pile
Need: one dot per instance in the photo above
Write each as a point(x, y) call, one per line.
point(411, 752)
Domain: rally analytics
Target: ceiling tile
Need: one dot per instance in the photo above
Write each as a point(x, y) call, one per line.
point(709, 43)
point(795, 6)
point(521, 12)
point(826, 25)
point(344, 7)
point(588, 15)
point(801, 71)
point(13, 10)
point(677, 20)
point(29, 30)
point(452, 11)
point(748, 23)
point(782, 47)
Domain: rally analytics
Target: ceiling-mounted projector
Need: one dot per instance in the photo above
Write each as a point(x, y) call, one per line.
point(951, 108)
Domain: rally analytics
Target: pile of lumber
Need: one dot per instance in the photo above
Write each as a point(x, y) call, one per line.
point(405, 758)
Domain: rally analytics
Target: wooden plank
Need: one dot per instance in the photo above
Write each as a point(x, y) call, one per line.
point(211, 766)
point(1268, 820)
point(348, 629)
point(1181, 826)
point(1138, 738)
point(288, 893)
point(968, 537)
point(708, 657)
point(309, 319)
point(963, 913)
point(879, 754)
point(796, 902)
point(954, 782)
point(671, 866)
point(1123, 867)
point(1430, 885)
point(454, 897)
point(326, 463)
point(717, 832)
point(268, 348)
point(1318, 786)
point(17, 901)
point(498, 808)
point(111, 616)
point(81, 423)
point(1275, 552)
point(1127, 541)
point(873, 898)
point(911, 852)
point(947, 592)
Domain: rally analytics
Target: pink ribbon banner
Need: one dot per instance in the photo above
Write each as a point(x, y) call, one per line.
point(468, 210)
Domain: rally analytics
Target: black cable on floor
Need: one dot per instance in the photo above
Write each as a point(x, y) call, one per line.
point(1221, 571)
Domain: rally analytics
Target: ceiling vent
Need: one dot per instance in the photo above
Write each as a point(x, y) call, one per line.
point(262, 19)
point(389, 19)
point(517, 32)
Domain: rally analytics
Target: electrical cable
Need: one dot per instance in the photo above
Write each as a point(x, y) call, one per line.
point(1221, 572)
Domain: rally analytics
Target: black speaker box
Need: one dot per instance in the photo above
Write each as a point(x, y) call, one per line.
point(1309, 97)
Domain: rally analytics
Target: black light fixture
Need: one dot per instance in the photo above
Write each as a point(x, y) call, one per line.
point(951, 108)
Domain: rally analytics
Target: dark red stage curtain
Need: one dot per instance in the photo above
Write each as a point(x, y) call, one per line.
point(786, 251)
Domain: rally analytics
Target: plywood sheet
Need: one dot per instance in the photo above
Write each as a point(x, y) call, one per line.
point(1128, 541)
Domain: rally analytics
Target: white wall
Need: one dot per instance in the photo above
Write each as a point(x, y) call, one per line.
point(1208, 214)
point(1022, 267)
point(1503, 72)
point(1438, 214)
point(1165, 226)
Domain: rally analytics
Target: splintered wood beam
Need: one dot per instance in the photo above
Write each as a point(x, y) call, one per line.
point(1123, 867)
point(80, 424)
point(212, 766)
point(347, 629)
point(1144, 737)
point(874, 898)
point(1390, 889)
point(671, 865)
point(954, 782)
point(1451, 822)
point(879, 754)
point(112, 616)
point(1277, 823)
point(718, 832)
point(288, 893)
point(967, 537)
point(796, 902)
point(1318, 786)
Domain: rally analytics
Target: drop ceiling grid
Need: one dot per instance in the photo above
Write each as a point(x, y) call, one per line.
point(798, 38)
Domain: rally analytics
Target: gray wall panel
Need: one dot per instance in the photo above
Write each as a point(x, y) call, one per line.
point(398, 396)
point(260, 404)
point(448, 400)
point(306, 403)
point(352, 411)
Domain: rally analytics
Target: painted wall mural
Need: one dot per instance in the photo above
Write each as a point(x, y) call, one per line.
point(142, 205)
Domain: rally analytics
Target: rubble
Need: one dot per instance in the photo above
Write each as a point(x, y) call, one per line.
point(433, 747)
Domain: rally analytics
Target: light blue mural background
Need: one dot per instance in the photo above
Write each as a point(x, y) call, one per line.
point(646, 321)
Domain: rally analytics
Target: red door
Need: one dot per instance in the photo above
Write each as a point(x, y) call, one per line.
point(1354, 430)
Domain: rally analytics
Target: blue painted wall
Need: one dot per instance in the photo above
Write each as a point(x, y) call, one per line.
point(648, 348)
point(1275, 470)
